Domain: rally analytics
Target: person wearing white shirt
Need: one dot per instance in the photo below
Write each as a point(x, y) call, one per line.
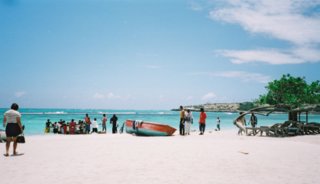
point(188, 121)
point(12, 122)
point(95, 125)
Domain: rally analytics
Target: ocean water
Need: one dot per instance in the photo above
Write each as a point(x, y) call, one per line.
point(34, 119)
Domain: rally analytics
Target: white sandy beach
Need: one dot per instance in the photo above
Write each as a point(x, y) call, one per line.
point(217, 157)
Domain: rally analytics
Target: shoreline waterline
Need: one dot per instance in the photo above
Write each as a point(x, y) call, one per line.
point(35, 119)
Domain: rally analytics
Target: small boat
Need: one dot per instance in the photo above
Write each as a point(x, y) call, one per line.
point(148, 128)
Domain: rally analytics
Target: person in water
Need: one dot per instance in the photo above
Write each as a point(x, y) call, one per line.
point(12, 122)
point(113, 121)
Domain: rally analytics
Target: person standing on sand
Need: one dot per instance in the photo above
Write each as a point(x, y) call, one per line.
point(182, 121)
point(95, 125)
point(218, 124)
point(188, 121)
point(253, 120)
point(72, 127)
point(12, 122)
point(48, 125)
point(104, 123)
point(113, 121)
point(202, 121)
point(87, 122)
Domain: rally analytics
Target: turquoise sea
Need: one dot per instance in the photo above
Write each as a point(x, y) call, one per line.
point(34, 119)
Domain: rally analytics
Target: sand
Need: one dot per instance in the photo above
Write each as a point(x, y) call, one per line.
point(217, 157)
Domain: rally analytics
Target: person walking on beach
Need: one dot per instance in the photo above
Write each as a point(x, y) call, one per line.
point(87, 122)
point(188, 121)
point(202, 121)
point(113, 121)
point(182, 121)
point(241, 123)
point(104, 123)
point(218, 124)
point(12, 122)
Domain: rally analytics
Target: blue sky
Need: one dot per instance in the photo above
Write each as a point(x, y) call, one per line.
point(152, 54)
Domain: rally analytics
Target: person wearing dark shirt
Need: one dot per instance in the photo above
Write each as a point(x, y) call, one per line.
point(253, 120)
point(113, 121)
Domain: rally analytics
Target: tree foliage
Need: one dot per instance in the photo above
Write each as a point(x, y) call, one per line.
point(292, 91)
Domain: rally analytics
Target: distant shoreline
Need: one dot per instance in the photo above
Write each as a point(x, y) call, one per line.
point(220, 107)
point(227, 107)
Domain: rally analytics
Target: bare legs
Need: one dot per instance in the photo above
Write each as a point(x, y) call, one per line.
point(15, 144)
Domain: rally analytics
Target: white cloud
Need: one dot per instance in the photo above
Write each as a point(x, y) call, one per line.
point(209, 96)
point(112, 96)
point(98, 96)
point(274, 57)
point(281, 19)
point(241, 75)
point(109, 96)
point(19, 94)
point(244, 76)
point(284, 20)
point(309, 54)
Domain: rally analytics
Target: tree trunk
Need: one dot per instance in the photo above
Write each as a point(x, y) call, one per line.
point(293, 116)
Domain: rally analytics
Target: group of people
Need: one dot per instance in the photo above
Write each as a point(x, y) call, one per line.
point(186, 119)
point(85, 126)
point(241, 122)
point(12, 122)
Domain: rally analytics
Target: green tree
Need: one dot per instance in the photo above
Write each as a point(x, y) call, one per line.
point(291, 91)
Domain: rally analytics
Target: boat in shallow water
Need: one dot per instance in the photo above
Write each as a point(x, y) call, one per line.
point(144, 128)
